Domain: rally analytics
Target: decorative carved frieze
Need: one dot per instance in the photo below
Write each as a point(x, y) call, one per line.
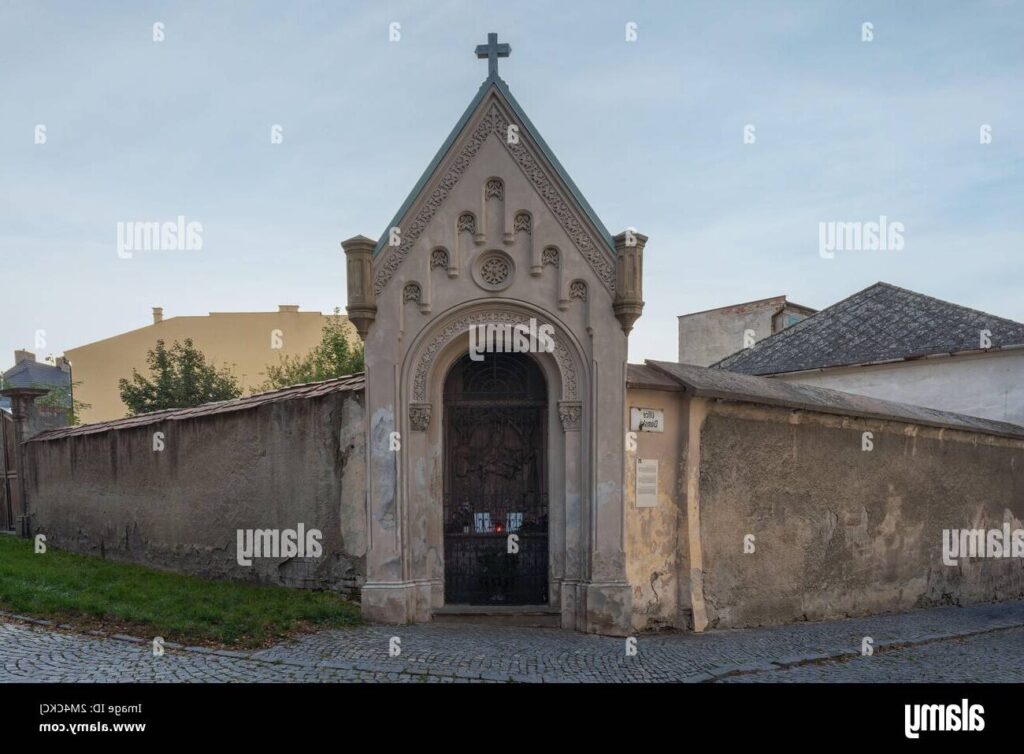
point(495, 121)
point(419, 416)
point(523, 223)
point(494, 189)
point(439, 258)
point(571, 415)
point(412, 292)
point(461, 325)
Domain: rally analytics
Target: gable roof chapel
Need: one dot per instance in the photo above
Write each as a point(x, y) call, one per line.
point(496, 479)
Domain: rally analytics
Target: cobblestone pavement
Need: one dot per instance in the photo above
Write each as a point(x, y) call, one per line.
point(979, 643)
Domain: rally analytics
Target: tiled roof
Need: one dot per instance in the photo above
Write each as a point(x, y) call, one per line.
point(28, 373)
point(353, 382)
point(717, 383)
point(880, 323)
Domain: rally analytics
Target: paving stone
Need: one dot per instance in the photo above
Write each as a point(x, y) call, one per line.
point(954, 644)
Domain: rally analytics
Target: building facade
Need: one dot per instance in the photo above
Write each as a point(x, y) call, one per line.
point(496, 235)
point(898, 345)
point(245, 342)
point(709, 336)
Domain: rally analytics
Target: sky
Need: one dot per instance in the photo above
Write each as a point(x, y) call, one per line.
point(728, 132)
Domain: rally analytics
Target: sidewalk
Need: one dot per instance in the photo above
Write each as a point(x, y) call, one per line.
point(914, 646)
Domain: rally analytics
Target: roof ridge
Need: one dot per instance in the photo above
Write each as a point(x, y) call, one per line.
point(767, 348)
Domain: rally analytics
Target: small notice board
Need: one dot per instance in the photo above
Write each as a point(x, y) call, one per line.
point(646, 483)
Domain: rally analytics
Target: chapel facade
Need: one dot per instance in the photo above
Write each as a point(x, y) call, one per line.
point(496, 480)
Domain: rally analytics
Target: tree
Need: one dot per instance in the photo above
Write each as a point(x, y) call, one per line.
point(334, 356)
point(180, 378)
point(62, 397)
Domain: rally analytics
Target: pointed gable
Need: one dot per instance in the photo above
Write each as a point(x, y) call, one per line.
point(491, 112)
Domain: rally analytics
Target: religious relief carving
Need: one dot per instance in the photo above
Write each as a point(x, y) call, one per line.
point(550, 256)
point(495, 121)
point(495, 189)
point(494, 271)
point(419, 416)
point(523, 223)
point(439, 258)
point(571, 415)
point(578, 290)
point(412, 292)
point(467, 223)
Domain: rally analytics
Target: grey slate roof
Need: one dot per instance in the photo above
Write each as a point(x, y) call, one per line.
point(531, 130)
point(880, 323)
point(717, 383)
point(35, 374)
point(309, 390)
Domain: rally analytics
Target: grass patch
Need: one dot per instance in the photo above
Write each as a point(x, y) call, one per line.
point(89, 592)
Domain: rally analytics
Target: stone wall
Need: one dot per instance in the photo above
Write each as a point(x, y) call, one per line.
point(293, 457)
point(839, 530)
point(769, 511)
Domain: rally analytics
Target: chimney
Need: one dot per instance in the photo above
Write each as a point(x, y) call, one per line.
point(62, 363)
point(20, 356)
point(158, 315)
point(288, 307)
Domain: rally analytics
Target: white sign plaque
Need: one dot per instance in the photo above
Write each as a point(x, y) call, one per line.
point(646, 483)
point(646, 419)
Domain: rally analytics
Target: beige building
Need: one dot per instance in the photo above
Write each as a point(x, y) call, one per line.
point(246, 342)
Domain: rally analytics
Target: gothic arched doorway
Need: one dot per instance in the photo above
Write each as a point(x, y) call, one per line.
point(495, 482)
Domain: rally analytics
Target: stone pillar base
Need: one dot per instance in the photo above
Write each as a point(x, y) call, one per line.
point(570, 600)
point(395, 602)
point(608, 609)
point(389, 602)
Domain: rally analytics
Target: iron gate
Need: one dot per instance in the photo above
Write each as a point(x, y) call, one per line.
point(495, 482)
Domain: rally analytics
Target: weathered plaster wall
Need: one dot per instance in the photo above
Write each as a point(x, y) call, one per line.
point(990, 384)
point(842, 531)
point(272, 466)
point(656, 544)
point(706, 337)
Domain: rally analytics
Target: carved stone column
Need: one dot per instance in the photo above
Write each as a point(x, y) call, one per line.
point(629, 278)
point(362, 300)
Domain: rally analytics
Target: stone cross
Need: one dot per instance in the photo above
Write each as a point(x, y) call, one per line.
point(492, 51)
